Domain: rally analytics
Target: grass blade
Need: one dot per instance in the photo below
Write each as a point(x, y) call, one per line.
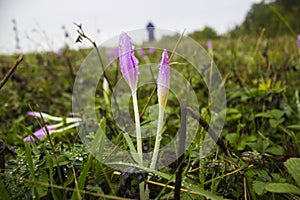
point(3, 191)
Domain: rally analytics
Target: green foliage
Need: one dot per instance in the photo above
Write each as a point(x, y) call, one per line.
point(293, 167)
point(282, 188)
point(3, 191)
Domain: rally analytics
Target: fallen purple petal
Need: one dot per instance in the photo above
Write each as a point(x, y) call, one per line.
point(40, 133)
point(34, 114)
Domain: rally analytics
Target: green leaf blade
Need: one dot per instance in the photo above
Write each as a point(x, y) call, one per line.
point(293, 167)
point(282, 188)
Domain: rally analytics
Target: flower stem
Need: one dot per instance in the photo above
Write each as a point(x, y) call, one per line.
point(139, 142)
point(158, 136)
point(138, 128)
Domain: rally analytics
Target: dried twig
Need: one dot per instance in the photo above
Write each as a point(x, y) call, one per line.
point(220, 142)
point(11, 71)
point(181, 149)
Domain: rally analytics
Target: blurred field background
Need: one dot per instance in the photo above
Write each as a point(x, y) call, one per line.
point(259, 61)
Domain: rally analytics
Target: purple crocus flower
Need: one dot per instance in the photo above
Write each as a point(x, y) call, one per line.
point(209, 44)
point(40, 133)
point(151, 50)
point(141, 52)
point(163, 80)
point(128, 62)
point(298, 41)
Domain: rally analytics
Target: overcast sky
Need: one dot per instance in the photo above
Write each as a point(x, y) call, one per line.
point(39, 22)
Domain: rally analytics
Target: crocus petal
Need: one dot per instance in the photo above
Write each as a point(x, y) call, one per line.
point(128, 62)
point(45, 116)
point(48, 117)
point(34, 114)
point(65, 128)
point(298, 41)
point(163, 80)
point(106, 91)
point(40, 133)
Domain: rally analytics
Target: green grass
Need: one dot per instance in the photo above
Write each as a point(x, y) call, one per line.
point(262, 78)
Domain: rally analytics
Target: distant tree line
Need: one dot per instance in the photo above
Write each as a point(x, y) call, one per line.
point(206, 33)
point(276, 17)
